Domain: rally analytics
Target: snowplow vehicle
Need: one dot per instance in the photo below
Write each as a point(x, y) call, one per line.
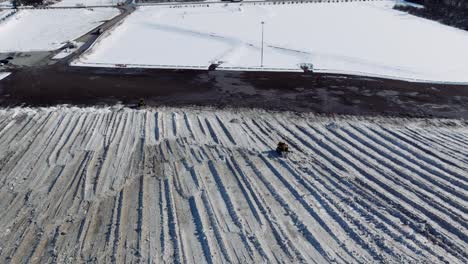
point(282, 149)
point(141, 103)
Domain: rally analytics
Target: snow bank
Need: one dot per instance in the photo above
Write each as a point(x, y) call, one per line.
point(3, 75)
point(365, 38)
point(49, 29)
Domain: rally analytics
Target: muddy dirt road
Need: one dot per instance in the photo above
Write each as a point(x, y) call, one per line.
point(320, 93)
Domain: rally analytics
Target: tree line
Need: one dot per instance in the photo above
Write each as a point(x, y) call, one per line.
point(17, 3)
point(449, 12)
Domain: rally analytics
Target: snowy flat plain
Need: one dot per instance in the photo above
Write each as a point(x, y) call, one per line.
point(368, 38)
point(72, 3)
point(204, 186)
point(49, 29)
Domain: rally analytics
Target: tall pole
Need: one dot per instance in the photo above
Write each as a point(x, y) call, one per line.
point(261, 64)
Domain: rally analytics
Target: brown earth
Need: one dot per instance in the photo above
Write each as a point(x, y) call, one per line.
point(320, 93)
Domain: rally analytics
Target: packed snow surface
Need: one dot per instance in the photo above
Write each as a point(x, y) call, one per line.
point(366, 38)
point(205, 186)
point(49, 29)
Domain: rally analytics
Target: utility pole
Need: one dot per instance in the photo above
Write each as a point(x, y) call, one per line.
point(261, 63)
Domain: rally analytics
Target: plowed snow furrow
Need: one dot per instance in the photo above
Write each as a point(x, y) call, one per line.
point(274, 213)
point(322, 150)
point(421, 161)
point(117, 185)
point(15, 128)
point(453, 174)
point(441, 208)
point(434, 153)
point(34, 147)
point(439, 145)
point(402, 161)
point(452, 135)
point(386, 183)
point(439, 142)
point(392, 169)
point(405, 176)
point(267, 220)
point(386, 231)
point(314, 211)
point(331, 195)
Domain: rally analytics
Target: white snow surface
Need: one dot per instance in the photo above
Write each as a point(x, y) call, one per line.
point(366, 38)
point(49, 29)
point(183, 185)
point(73, 3)
point(3, 75)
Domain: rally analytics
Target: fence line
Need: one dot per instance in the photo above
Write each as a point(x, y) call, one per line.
point(207, 4)
point(175, 67)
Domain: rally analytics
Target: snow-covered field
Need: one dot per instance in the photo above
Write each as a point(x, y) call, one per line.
point(203, 186)
point(49, 29)
point(367, 38)
point(72, 3)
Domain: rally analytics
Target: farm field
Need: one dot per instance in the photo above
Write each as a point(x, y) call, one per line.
point(362, 38)
point(51, 29)
point(201, 185)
